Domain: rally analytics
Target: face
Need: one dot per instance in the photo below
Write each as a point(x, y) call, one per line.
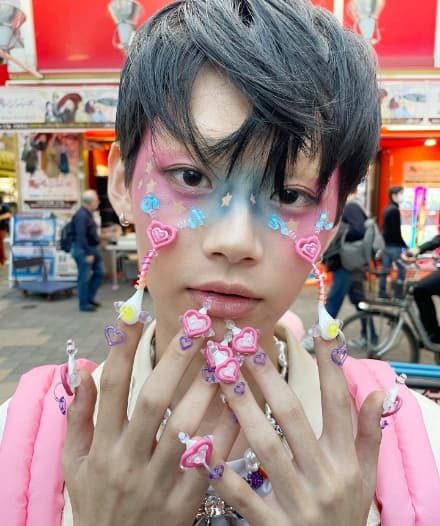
point(236, 241)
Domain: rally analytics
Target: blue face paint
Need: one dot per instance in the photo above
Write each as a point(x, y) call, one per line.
point(150, 203)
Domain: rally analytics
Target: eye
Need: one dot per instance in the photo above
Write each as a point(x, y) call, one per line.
point(188, 179)
point(294, 198)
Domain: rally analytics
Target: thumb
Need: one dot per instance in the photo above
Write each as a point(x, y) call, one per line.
point(368, 438)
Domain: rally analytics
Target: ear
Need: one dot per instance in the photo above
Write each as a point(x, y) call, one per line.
point(118, 193)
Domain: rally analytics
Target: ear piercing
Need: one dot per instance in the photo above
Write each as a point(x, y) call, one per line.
point(123, 219)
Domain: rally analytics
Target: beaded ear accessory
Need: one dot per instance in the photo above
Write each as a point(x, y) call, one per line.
point(130, 311)
point(328, 328)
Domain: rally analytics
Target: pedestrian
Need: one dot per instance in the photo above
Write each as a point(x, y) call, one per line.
point(425, 289)
point(394, 243)
point(5, 215)
point(86, 252)
point(242, 126)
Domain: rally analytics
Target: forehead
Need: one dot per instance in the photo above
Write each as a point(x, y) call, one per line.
point(217, 106)
point(218, 109)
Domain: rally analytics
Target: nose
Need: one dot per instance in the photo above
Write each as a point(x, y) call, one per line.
point(235, 237)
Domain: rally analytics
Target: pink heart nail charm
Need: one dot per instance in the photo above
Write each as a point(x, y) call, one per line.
point(161, 235)
point(217, 354)
point(308, 248)
point(246, 341)
point(199, 454)
point(196, 323)
point(228, 371)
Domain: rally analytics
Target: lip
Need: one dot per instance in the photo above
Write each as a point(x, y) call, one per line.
point(227, 300)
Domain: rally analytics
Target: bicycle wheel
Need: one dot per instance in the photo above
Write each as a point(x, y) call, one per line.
point(369, 332)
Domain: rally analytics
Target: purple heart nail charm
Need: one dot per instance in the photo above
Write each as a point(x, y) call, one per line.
point(239, 388)
point(185, 342)
point(339, 355)
point(260, 358)
point(114, 336)
point(208, 374)
point(217, 472)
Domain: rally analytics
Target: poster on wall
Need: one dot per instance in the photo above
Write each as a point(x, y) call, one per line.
point(49, 171)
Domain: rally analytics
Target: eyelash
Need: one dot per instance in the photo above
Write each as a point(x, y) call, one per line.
point(307, 198)
point(176, 175)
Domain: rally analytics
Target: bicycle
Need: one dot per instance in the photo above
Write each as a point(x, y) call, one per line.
point(391, 329)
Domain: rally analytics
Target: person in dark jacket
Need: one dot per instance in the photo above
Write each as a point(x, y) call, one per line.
point(394, 242)
point(426, 289)
point(5, 215)
point(345, 281)
point(85, 251)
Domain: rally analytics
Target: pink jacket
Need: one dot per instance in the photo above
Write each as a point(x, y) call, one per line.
point(408, 485)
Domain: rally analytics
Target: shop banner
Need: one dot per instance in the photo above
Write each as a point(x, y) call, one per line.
point(410, 102)
point(58, 107)
point(49, 171)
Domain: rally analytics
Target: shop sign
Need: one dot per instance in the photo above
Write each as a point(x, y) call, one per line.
point(58, 107)
point(410, 102)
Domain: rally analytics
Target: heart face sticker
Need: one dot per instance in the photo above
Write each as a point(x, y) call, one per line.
point(196, 323)
point(228, 371)
point(161, 235)
point(114, 336)
point(246, 341)
point(199, 454)
point(217, 354)
point(308, 248)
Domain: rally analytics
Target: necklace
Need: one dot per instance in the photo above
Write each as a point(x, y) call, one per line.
point(213, 508)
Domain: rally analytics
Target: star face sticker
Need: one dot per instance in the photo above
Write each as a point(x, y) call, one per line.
point(179, 207)
point(226, 199)
point(148, 167)
point(151, 185)
point(252, 199)
point(292, 225)
point(140, 184)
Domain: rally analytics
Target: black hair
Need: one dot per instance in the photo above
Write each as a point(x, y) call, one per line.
point(311, 85)
point(394, 190)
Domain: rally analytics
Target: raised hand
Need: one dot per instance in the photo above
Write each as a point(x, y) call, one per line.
point(117, 473)
point(330, 480)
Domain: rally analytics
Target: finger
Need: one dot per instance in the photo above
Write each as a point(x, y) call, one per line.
point(236, 492)
point(186, 418)
point(115, 383)
point(225, 433)
point(335, 399)
point(158, 391)
point(80, 426)
point(262, 438)
point(369, 437)
point(289, 414)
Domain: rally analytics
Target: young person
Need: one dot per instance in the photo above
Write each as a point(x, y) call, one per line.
point(242, 128)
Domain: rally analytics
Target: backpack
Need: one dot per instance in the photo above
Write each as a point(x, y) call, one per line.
point(355, 255)
point(66, 237)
